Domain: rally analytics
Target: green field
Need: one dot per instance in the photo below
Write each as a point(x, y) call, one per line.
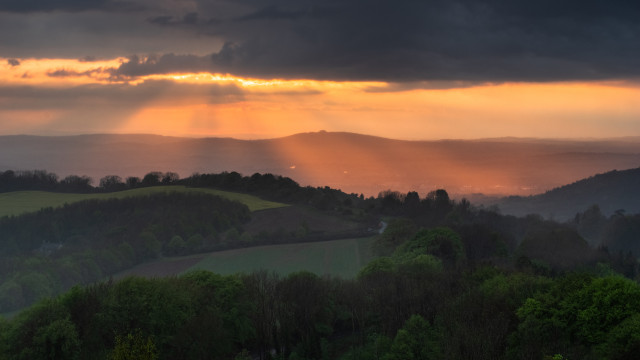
point(20, 202)
point(342, 258)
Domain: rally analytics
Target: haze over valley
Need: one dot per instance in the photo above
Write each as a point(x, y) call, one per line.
point(350, 162)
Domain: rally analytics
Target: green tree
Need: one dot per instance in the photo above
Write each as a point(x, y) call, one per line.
point(57, 340)
point(176, 246)
point(44, 331)
point(397, 232)
point(134, 346)
point(417, 340)
point(441, 242)
point(149, 245)
point(580, 317)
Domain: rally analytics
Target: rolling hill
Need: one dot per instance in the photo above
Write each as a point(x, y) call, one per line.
point(350, 162)
point(611, 191)
point(20, 202)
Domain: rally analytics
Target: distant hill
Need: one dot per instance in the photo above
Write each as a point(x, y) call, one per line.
point(612, 191)
point(350, 162)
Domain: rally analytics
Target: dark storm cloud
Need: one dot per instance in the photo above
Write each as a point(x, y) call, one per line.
point(409, 40)
point(116, 95)
point(30, 6)
point(188, 19)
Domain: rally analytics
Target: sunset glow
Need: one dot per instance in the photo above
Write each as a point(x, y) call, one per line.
point(206, 104)
point(405, 70)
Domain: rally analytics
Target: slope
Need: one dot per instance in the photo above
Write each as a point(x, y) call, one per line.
point(611, 191)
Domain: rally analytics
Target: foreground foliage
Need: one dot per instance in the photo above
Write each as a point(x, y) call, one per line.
point(406, 313)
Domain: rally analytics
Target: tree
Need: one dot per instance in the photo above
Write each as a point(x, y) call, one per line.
point(152, 179)
point(302, 313)
point(44, 331)
point(417, 340)
point(176, 246)
point(440, 200)
point(111, 183)
point(57, 340)
point(580, 317)
point(261, 287)
point(169, 178)
point(397, 232)
point(133, 182)
point(73, 183)
point(134, 346)
point(148, 245)
point(441, 242)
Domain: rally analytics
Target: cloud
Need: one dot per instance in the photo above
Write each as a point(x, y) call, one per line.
point(13, 62)
point(169, 63)
point(88, 58)
point(30, 6)
point(169, 20)
point(110, 96)
point(407, 40)
point(98, 34)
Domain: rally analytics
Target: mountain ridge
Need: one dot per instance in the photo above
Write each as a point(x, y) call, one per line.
point(349, 161)
point(612, 191)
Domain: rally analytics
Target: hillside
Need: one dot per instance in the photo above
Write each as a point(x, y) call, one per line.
point(611, 191)
point(350, 162)
point(342, 258)
point(20, 202)
point(52, 241)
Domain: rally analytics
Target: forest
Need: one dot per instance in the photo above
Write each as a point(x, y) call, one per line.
point(451, 280)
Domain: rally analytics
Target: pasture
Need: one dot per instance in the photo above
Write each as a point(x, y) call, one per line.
point(342, 258)
point(20, 202)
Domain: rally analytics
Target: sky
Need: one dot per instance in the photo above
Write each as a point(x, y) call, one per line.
point(404, 69)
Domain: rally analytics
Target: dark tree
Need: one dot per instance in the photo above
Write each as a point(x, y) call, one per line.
point(111, 183)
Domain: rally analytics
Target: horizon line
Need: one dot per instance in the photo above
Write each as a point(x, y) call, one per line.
point(240, 137)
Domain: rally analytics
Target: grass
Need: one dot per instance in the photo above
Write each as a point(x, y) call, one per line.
point(342, 258)
point(20, 202)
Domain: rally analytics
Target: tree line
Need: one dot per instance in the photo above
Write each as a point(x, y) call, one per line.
point(423, 301)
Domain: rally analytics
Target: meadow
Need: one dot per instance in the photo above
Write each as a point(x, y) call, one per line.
point(342, 258)
point(20, 202)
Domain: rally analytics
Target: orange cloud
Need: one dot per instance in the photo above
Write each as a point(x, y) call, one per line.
point(43, 71)
point(276, 107)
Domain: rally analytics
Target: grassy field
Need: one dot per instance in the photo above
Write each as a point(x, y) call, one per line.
point(20, 202)
point(342, 258)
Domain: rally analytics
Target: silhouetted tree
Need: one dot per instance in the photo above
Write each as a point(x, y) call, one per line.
point(152, 179)
point(112, 183)
point(78, 184)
